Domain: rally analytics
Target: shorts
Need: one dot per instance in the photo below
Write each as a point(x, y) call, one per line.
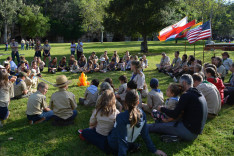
point(38, 54)
point(46, 52)
point(4, 112)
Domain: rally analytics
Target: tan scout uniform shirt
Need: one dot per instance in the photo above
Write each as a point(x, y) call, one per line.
point(36, 104)
point(5, 94)
point(14, 46)
point(176, 63)
point(212, 96)
point(165, 61)
point(63, 103)
point(155, 99)
point(104, 123)
point(90, 99)
point(171, 104)
point(19, 88)
point(140, 80)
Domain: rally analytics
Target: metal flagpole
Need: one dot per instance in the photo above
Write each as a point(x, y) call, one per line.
point(203, 50)
point(194, 49)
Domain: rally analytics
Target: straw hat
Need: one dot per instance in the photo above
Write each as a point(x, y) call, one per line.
point(61, 81)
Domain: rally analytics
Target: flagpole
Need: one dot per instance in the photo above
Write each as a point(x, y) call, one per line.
point(203, 50)
point(194, 49)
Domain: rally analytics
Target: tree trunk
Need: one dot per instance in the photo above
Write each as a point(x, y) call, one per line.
point(5, 32)
point(145, 43)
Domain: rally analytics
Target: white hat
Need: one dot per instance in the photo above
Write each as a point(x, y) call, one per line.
point(33, 71)
point(102, 59)
point(6, 62)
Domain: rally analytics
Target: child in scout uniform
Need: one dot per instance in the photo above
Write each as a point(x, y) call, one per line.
point(20, 87)
point(91, 94)
point(63, 103)
point(6, 93)
point(75, 67)
point(46, 51)
point(37, 110)
point(154, 98)
point(122, 88)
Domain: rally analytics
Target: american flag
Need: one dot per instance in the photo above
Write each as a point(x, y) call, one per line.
point(199, 33)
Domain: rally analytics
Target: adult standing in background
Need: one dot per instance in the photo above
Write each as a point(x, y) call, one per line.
point(30, 43)
point(73, 47)
point(22, 44)
point(14, 48)
point(79, 49)
point(38, 49)
point(46, 51)
point(33, 43)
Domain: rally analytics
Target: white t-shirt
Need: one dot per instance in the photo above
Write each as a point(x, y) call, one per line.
point(73, 47)
point(79, 45)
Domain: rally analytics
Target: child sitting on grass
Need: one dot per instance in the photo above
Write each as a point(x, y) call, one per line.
point(75, 67)
point(173, 92)
point(101, 122)
point(103, 65)
point(112, 65)
point(63, 103)
point(122, 88)
point(95, 66)
point(20, 88)
point(154, 98)
point(5, 88)
point(121, 65)
point(89, 67)
point(128, 126)
point(37, 110)
point(91, 94)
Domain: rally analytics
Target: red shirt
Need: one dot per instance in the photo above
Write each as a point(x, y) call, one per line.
point(220, 86)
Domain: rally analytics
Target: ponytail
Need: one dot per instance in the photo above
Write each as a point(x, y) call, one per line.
point(213, 73)
point(131, 101)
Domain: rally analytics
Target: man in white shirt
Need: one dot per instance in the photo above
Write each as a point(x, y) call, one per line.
point(14, 48)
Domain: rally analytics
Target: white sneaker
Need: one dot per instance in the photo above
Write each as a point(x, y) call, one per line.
point(174, 79)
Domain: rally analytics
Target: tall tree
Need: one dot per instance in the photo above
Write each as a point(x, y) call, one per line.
point(33, 23)
point(138, 16)
point(8, 12)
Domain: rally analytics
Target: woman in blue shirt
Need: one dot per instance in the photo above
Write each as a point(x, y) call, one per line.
point(129, 125)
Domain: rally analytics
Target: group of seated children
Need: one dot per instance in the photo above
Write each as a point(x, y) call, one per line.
point(213, 72)
point(93, 64)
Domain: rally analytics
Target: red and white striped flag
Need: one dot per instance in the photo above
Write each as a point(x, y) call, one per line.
point(199, 33)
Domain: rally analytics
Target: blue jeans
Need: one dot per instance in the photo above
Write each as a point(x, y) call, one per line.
point(37, 117)
point(96, 139)
point(72, 52)
point(15, 54)
point(169, 128)
point(22, 46)
point(4, 113)
point(70, 118)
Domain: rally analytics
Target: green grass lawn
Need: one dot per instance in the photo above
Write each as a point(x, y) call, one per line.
point(44, 139)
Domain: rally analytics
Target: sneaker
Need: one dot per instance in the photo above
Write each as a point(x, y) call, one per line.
point(80, 131)
point(175, 80)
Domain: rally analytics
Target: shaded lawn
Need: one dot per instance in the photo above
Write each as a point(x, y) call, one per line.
point(44, 139)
